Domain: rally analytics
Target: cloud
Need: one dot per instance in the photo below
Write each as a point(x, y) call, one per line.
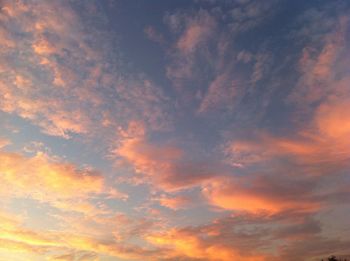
point(154, 35)
point(174, 203)
point(203, 67)
point(322, 141)
point(332, 119)
point(64, 78)
point(261, 193)
point(308, 227)
point(7, 40)
point(247, 236)
point(48, 34)
point(193, 33)
point(261, 66)
point(163, 165)
point(4, 142)
point(318, 247)
point(221, 93)
point(14, 237)
point(128, 227)
point(319, 65)
point(317, 154)
point(264, 148)
point(62, 185)
point(80, 256)
point(250, 14)
point(197, 30)
point(244, 56)
point(256, 127)
point(244, 15)
point(57, 179)
point(226, 238)
point(184, 243)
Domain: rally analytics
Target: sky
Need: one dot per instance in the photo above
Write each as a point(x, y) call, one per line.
point(163, 130)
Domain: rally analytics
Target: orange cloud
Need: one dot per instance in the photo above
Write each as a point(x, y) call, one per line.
point(259, 194)
point(175, 203)
point(333, 120)
point(60, 123)
point(163, 165)
point(46, 180)
point(185, 244)
point(44, 47)
point(321, 148)
point(6, 39)
point(144, 156)
point(324, 140)
point(49, 113)
point(14, 237)
point(4, 142)
point(266, 147)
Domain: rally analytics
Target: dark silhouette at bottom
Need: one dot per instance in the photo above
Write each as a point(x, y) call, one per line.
point(333, 258)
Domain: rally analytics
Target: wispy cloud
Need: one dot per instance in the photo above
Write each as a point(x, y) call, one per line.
point(261, 193)
point(56, 85)
point(61, 184)
point(165, 166)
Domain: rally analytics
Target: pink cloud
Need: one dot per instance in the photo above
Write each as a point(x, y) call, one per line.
point(319, 66)
point(4, 142)
point(188, 244)
point(163, 165)
point(194, 33)
point(77, 83)
point(265, 147)
point(250, 14)
point(197, 30)
point(258, 194)
point(153, 35)
point(174, 202)
point(323, 140)
point(222, 92)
